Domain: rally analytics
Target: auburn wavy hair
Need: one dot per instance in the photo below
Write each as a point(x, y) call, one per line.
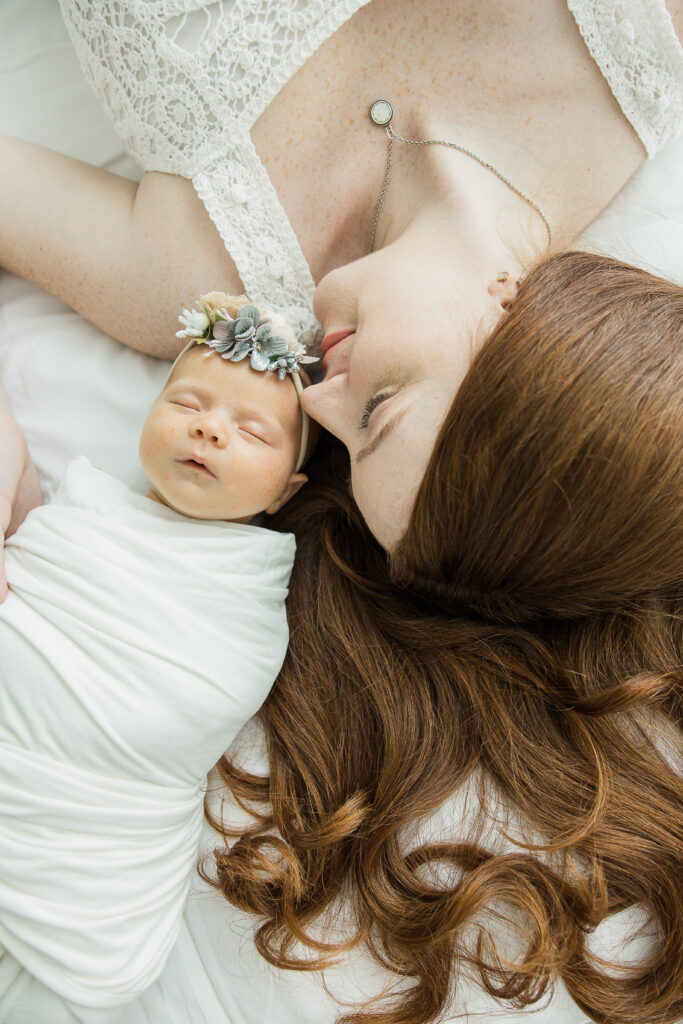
point(526, 638)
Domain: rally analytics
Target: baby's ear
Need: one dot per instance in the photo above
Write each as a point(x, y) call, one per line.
point(295, 482)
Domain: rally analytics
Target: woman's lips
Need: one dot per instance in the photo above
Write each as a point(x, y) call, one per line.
point(332, 339)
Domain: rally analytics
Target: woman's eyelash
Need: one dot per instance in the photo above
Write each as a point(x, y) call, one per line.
point(371, 406)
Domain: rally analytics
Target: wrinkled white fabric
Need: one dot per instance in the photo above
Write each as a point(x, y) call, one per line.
point(184, 82)
point(134, 645)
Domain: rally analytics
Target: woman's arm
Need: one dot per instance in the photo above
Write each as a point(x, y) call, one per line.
point(19, 484)
point(125, 255)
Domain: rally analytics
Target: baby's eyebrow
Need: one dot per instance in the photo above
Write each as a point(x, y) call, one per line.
point(188, 385)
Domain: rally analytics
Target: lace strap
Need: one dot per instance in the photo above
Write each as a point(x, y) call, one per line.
point(635, 46)
point(245, 209)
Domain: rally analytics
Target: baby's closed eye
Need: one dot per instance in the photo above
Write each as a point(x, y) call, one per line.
point(251, 433)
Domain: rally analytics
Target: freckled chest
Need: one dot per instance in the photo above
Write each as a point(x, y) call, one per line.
point(501, 79)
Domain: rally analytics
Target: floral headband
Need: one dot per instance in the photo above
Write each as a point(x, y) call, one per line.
point(234, 328)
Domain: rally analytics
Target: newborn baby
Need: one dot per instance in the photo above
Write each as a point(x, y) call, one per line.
point(139, 634)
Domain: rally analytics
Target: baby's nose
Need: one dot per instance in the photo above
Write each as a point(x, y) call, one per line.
point(209, 430)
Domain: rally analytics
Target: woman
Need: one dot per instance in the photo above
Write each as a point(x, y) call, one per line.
point(227, 102)
point(531, 655)
point(451, 241)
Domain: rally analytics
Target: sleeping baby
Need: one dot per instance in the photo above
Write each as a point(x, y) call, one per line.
point(138, 636)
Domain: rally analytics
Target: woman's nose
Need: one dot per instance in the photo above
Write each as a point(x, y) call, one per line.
point(325, 403)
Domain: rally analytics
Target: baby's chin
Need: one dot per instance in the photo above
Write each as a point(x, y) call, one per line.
point(192, 508)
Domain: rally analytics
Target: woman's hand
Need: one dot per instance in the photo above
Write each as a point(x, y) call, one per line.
point(19, 485)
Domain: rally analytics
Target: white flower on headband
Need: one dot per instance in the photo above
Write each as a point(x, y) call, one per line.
point(196, 324)
point(268, 341)
point(280, 327)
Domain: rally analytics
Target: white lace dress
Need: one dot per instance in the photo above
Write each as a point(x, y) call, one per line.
point(184, 81)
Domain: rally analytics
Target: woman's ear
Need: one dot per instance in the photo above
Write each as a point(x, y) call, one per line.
point(295, 482)
point(504, 288)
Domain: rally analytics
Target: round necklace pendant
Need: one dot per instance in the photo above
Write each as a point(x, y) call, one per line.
point(381, 113)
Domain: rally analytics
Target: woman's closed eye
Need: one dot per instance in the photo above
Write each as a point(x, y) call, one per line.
point(372, 404)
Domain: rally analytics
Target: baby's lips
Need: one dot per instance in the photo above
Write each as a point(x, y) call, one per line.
point(199, 463)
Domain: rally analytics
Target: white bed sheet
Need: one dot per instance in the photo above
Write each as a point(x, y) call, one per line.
point(76, 391)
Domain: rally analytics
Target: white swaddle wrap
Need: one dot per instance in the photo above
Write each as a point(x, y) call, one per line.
point(134, 644)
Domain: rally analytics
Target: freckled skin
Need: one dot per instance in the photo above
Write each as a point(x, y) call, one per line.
point(244, 425)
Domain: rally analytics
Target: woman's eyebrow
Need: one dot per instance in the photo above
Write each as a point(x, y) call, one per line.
point(384, 432)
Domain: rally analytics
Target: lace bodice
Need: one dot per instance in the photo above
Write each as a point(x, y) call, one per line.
point(184, 81)
point(634, 44)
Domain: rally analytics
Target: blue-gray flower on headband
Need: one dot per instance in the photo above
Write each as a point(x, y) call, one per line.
point(248, 333)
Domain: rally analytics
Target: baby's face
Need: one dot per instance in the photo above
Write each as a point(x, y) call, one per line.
point(221, 440)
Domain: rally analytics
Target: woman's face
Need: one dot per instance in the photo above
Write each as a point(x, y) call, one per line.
point(400, 333)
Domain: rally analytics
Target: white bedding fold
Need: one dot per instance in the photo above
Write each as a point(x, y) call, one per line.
point(101, 930)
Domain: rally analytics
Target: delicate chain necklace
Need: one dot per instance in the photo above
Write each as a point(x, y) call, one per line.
point(381, 113)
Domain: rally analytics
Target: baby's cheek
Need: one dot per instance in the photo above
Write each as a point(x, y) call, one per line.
point(276, 469)
point(148, 446)
point(162, 437)
point(168, 433)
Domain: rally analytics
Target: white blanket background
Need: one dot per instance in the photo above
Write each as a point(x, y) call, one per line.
point(74, 390)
